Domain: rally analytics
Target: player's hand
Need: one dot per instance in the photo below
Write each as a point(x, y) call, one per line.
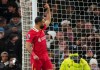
point(36, 57)
point(47, 6)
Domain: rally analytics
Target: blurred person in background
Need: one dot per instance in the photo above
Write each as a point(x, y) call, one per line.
point(13, 64)
point(84, 49)
point(15, 23)
point(96, 23)
point(62, 45)
point(2, 40)
point(74, 61)
point(65, 53)
point(88, 28)
point(94, 64)
point(12, 45)
point(59, 36)
point(84, 45)
point(97, 10)
point(59, 50)
point(59, 45)
point(78, 42)
point(90, 11)
point(94, 40)
point(91, 8)
point(12, 9)
point(4, 61)
point(68, 32)
point(3, 22)
point(55, 14)
point(69, 10)
point(78, 29)
point(54, 9)
point(81, 41)
point(3, 6)
point(89, 54)
point(51, 54)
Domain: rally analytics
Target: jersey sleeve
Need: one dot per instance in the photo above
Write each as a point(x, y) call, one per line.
point(64, 65)
point(86, 65)
point(30, 37)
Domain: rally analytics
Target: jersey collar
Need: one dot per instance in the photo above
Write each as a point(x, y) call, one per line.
point(35, 29)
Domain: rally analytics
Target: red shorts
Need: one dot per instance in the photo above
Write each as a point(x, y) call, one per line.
point(43, 64)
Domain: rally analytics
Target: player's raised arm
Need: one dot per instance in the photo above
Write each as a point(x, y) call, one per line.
point(48, 15)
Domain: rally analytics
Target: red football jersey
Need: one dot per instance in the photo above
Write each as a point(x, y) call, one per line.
point(38, 40)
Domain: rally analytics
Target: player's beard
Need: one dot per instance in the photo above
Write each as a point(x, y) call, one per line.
point(42, 26)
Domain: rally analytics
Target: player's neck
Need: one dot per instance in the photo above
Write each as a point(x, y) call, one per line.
point(37, 27)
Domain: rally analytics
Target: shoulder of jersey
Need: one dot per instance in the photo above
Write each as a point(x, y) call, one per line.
point(33, 30)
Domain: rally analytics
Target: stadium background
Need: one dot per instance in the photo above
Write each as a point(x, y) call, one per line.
point(75, 23)
point(10, 34)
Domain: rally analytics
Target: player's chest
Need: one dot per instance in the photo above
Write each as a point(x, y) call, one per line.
point(40, 36)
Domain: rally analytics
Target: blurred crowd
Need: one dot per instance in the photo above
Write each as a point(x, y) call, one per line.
point(75, 23)
point(10, 35)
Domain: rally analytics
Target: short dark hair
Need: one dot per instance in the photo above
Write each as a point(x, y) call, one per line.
point(16, 15)
point(38, 19)
point(12, 36)
point(14, 5)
